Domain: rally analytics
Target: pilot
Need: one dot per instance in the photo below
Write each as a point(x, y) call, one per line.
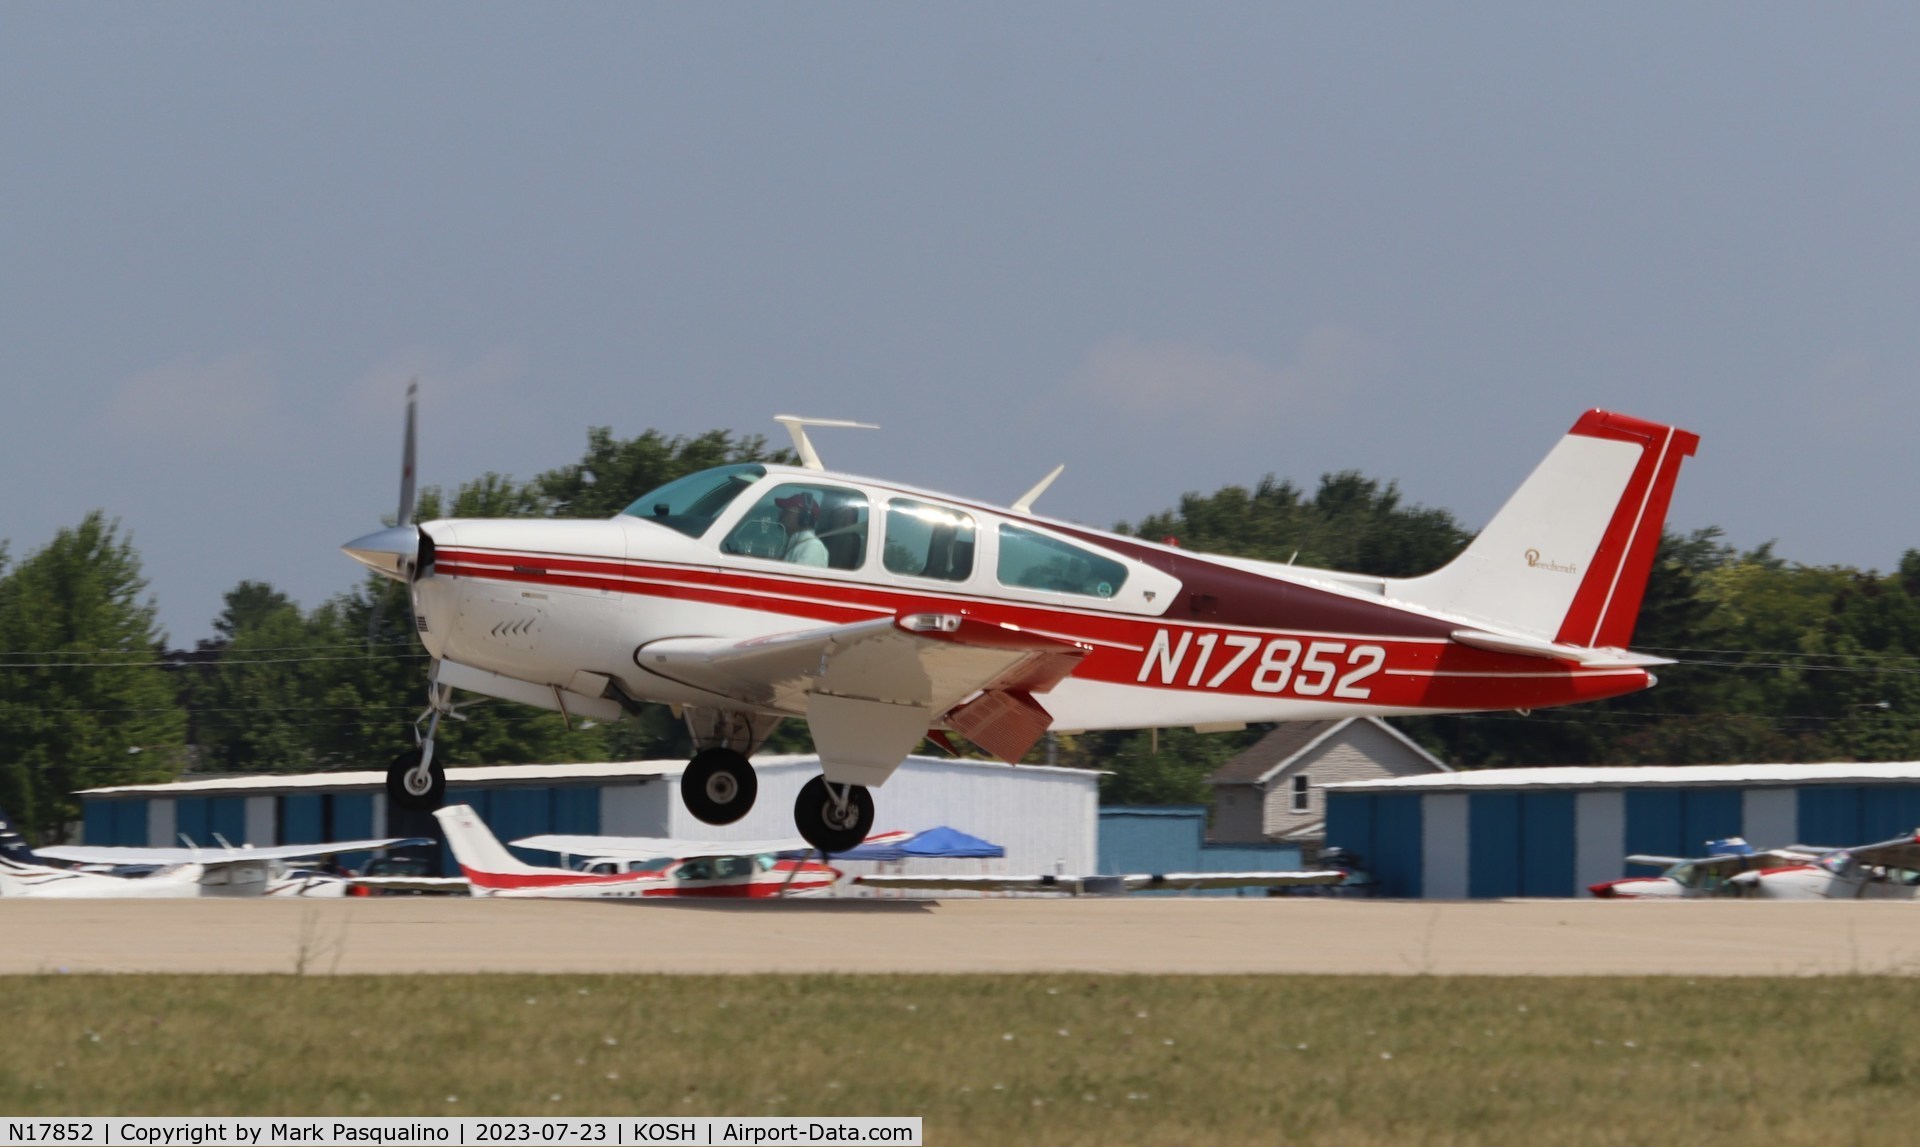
point(799, 513)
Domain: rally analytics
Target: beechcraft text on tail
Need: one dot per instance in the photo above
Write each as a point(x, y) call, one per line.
point(881, 614)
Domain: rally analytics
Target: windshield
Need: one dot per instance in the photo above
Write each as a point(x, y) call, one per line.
point(690, 504)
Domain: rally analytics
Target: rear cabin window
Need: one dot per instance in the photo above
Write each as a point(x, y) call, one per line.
point(804, 524)
point(924, 540)
point(1035, 561)
point(690, 504)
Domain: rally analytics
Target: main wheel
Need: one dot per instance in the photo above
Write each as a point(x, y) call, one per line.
point(833, 825)
point(719, 786)
point(408, 788)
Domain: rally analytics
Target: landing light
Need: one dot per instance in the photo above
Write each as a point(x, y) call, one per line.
point(931, 622)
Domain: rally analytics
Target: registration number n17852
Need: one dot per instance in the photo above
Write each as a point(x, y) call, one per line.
point(1239, 662)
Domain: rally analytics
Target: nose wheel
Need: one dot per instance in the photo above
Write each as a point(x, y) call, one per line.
point(415, 781)
point(719, 786)
point(833, 818)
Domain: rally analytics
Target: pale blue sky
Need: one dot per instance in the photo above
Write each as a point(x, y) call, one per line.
point(1173, 246)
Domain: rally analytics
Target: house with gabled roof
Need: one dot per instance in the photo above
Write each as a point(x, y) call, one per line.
point(1272, 790)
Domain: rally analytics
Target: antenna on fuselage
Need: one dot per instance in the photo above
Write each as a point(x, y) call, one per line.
point(1025, 504)
point(797, 426)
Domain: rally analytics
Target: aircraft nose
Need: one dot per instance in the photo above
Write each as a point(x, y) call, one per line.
point(1603, 890)
point(390, 552)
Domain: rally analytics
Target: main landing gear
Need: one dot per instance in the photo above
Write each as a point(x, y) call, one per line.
point(832, 817)
point(719, 785)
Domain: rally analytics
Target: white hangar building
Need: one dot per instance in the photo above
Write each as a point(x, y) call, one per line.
point(1046, 818)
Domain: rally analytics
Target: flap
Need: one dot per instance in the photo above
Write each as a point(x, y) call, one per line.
point(931, 661)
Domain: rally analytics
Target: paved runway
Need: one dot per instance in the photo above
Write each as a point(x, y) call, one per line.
point(1089, 935)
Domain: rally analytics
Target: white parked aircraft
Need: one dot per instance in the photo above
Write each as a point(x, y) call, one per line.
point(631, 867)
point(1887, 870)
point(881, 614)
point(1692, 877)
point(179, 872)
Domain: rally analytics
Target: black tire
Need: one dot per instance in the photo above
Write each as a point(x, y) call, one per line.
point(719, 786)
point(399, 794)
point(824, 825)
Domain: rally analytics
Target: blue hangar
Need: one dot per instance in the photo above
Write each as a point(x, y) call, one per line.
point(1551, 832)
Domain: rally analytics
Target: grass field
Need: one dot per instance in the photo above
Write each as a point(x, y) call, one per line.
point(1000, 1059)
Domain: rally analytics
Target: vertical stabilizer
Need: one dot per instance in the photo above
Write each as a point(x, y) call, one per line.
point(475, 848)
point(1567, 558)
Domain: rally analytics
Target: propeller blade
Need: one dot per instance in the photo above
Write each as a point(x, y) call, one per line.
point(405, 517)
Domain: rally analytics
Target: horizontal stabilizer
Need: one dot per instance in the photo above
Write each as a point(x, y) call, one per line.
point(1572, 654)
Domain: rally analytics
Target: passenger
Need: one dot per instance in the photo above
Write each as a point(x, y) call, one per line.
point(799, 513)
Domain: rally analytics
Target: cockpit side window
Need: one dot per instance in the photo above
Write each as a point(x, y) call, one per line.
point(690, 504)
point(1035, 561)
point(925, 540)
point(805, 524)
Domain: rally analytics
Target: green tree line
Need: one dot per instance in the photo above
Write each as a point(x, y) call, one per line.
point(1774, 660)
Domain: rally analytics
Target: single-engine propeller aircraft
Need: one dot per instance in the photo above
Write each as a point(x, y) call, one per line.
point(1693, 877)
point(881, 614)
point(175, 872)
point(630, 867)
point(1884, 870)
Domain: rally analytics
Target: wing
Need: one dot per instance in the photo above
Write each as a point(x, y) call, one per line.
point(975, 883)
point(214, 857)
point(1184, 880)
point(1900, 852)
point(905, 673)
point(1727, 863)
point(649, 847)
point(1657, 861)
point(1133, 882)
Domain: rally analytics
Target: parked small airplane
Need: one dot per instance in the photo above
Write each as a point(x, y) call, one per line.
point(1105, 885)
point(1887, 870)
point(630, 867)
point(1687, 878)
point(177, 872)
point(882, 614)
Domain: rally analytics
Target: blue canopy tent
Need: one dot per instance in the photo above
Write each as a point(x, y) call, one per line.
point(942, 842)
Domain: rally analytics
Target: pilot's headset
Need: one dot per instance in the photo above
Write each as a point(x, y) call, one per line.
point(806, 510)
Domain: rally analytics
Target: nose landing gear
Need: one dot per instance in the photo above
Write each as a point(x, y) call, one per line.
point(833, 817)
point(415, 781)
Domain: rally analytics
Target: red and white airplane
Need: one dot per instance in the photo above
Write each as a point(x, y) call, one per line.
point(1885, 870)
point(881, 614)
point(631, 868)
point(1692, 877)
point(1888, 870)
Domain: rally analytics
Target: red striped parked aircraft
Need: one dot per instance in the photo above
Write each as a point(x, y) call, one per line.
point(633, 868)
point(881, 614)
